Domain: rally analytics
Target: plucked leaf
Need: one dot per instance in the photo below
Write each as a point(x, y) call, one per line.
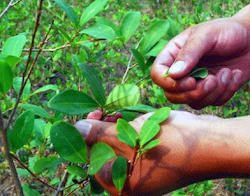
point(123, 95)
point(76, 170)
point(14, 46)
point(126, 133)
point(160, 115)
point(100, 31)
point(68, 142)
point(140, 59)
point(150, 145)
point(119, 172)
point(92, 10)
point(199, 73)
point(155, 32)
point(100, 154)
point(22, 130)
point(73, 102)
point(6, 78)
point(36, 109)
point(95, 83)
point(69, 11)
point(148, 131)
point(129, 24)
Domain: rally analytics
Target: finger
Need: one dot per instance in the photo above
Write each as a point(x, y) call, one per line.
point(203, 88)
point(224, 77)
point(169, 84)
point(113, 118)
point(96, 115)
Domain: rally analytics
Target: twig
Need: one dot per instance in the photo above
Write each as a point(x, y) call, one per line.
point(8, 156)
point(142, 79)
point(59, 188)
point(25, 167)
point(10, 5)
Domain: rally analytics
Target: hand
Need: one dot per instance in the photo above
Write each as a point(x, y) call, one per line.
point(222, 46)
point(182, 157)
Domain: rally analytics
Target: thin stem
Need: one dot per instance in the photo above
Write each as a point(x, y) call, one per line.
point(59, 188)
point(10, 5)
point(142, 79)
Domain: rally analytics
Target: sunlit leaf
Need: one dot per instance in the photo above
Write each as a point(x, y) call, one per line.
point(141, 108)
point(123, 95)
point(14, 45)
point(45, 88)
point(6, 78)
point(12, 61)
point(72, 102)
point(160, 115)
point(129, 24)
point(174, 29)
point(157, 48)
point(140, 59)
point(68, 142)
point(69, 11)
point(119, 172)
point(148, 131)
point(100, 31)
point(105, 21)
point(199, 73)
point(155, 32)
point(92, 10)
point(17, 82)
point(76, 170)
point(22, 130)
point(100, 154)
point(126, 133)
point(36, 109)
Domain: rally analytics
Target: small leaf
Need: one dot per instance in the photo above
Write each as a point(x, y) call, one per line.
point(76, 170)
point(96, 188)
point(17, 82)
point(119, 172)
point(39, 128)
point(148, 131)
point(157, 48)
point(174, 29)
point(126, 133)
point(150, 145)
point(92, 10)
point(22, 131)
point(72, 102)
point(69, 11)
point(14, 46)
point(100, 154)
point(160, 115)
point(155, 32)
point(68, 142)
point(100, 31)
point(199, 73)
point(141, 108)
point(28, 191)
point(6, 78)
point(12, 61)
point(140, 59)
point(41, 165)
point(104, 21)
point(95, 83)
point(65, 34)
point(127, 115)
point(123, 95)
point(36, 109)
point(129, 24)
point(45, 88)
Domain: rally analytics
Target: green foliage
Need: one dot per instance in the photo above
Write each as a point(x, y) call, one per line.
point(76, 170)
point(119, 172)
point(199, 73)
point(6, 78)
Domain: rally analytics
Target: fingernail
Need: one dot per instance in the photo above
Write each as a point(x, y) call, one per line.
point(209, 85)
point(226, 77)
point(177, 67)
point(83, 127)
point(238, 78)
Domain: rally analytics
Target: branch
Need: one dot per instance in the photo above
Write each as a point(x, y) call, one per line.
point(10, 5)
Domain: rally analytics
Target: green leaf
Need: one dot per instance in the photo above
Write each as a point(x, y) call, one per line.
point(17, 82)
point(95, 83)
point(28, 191)
point(96, 188)
point(14, 46)
point(39, 128)
point(69, 11)
point(141, 108)
point(100, 154)
point(100, 31)
point(73, 102)
point(160, 115)
point(140, 59)
point(36, 109)
point(22, 131)
point(199, 73)
point(65, 34)
point(6, 78)
point(148, 131)
point(45, 88)
point(127, 115)
point(92, 10)
point(157, 48)
point(155, 32)
point(68, 142)
point(149, 146)
point(12, 61)
point(129, 24)
point(23, 173)
point(104, 21)
point(123, 95)
point(119, 172)
point(126, 133)
point(41, 165)
point(174, 29)
point(76, 170)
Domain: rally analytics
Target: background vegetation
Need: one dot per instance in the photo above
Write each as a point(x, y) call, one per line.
point(57, 66)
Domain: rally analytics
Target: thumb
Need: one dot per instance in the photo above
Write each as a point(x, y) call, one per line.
point(196, 46)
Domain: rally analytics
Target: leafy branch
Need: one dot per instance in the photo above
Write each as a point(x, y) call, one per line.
point(10, 5)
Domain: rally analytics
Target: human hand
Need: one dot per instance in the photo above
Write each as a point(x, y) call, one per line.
point(167, 167)
point(222, 46)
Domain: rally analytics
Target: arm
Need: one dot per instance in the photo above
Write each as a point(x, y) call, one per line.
point(222, 45)
point(193, 148)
